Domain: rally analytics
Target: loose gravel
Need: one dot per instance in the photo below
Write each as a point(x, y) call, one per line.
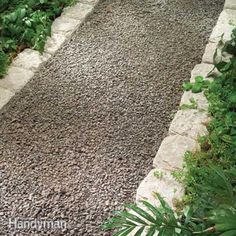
point(78, 139)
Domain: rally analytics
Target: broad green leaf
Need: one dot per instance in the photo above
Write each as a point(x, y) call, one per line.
point(28, 23)
point(187, 86)
point(197, 88)
point(199, 79)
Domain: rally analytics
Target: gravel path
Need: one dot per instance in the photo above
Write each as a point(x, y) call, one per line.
point(78, 139)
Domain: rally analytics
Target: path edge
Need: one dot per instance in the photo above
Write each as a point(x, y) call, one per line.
point(29, 61)
point(186, 126)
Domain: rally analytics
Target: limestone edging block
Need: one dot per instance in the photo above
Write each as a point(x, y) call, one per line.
point(16, 78)
point(224, 26)
point(92, 2)
point(230, 4)
point(209, 52)
point(5, 96)
point(166, 186)
point(208, 56)
point(203, 70)
point(54, 43)
point(190, 123)
point(30, 59)
point(65, 25)
point(170, 155)
point(79, 11)
point(200, 99)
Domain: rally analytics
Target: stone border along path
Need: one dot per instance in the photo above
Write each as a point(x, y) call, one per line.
point(187, 125)
point(29, 61)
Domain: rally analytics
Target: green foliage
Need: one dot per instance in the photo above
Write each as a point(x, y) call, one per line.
point(162, 219)
point(26, 24)
point(230, 46)
point(225, 220)
point(194, 220)
point(193, 105)
point(197, 86)
point(209, 175)
point(32, 27)
point(3, 63)
point(3, 5)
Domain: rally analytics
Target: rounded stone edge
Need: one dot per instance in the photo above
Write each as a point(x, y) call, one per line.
point(22, 66)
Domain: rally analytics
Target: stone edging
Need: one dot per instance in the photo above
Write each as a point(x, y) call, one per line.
point(187, 124)
point(29, 61)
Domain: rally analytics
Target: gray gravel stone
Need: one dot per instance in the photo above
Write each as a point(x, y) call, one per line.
point(86, 128)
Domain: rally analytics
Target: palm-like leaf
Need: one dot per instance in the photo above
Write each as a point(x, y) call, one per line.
point(153, 220)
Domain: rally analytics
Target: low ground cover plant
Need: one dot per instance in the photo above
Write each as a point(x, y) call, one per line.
point(209, 176)
point(26, 24)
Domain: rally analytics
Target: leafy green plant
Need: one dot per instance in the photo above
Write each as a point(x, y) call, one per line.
point(3, 63)
point(3, 5)
point(198, 86)
point(224, 219)
point(33, 27)
point(150, 220)
point(26, 24)
point(155, 219)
